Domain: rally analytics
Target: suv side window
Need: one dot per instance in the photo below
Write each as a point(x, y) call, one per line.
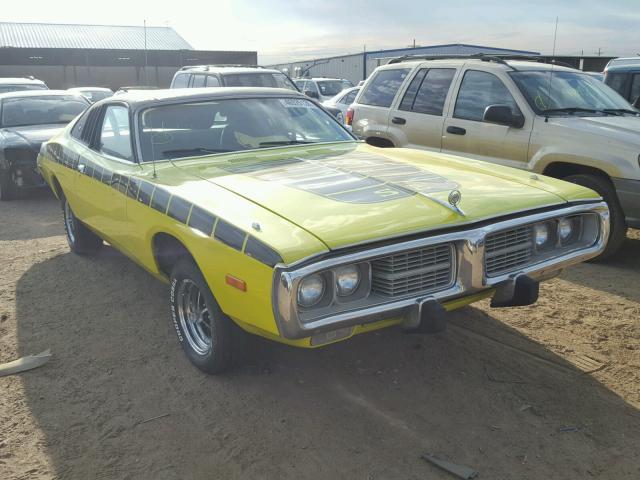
point(197, 81)
point(618, 81)
point(635, 88)
point(427, 92)
point(181, 80)
point(381, 90)
point(212, 81)
point(115, 136)
point(479, 90)
point(349, 97)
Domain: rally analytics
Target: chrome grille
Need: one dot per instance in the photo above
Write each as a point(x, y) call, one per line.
point(415, 271)
point(505, 251)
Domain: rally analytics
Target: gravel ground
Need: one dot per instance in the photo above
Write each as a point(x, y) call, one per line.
point(549, 391)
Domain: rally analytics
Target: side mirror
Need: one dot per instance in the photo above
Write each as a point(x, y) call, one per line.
point(312, 94)
point(636, 103)
point(503, 115)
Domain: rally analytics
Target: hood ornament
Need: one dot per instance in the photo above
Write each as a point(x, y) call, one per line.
point(454, 198)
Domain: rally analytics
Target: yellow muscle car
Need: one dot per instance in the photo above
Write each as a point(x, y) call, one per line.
point(264, 213)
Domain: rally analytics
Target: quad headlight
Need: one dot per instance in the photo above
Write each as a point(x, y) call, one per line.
point(347, 279)
point(542, 233)
point(566, 229)
point(311, 290)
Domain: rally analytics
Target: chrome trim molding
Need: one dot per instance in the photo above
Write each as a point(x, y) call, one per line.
point(469, 272)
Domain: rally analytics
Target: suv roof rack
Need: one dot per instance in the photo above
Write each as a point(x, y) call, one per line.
point(497, 58)
point(220, 65)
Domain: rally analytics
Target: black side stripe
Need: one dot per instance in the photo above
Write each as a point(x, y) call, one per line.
point(160, 200)
point(179, 209)
point(144, 192)
point(132, 189)
point(262, 252)
point(229, 235)
point(202, 220)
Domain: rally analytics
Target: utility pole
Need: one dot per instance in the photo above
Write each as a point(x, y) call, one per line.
point(146, 60)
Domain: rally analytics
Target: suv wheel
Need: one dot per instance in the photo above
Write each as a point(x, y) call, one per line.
point(618, 228)
point(81, 240)
point(8, 187)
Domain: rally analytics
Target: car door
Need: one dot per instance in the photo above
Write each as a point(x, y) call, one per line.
point(417, 118)
point(106, 166)
point(465, 131)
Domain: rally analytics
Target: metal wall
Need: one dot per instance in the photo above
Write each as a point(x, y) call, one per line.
point(346, 66)
point(65, 68)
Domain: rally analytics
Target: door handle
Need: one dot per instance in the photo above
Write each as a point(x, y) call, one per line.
point(456, 130)
point(398, 120)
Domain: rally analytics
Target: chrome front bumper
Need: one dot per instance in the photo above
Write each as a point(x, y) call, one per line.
point(470, 277)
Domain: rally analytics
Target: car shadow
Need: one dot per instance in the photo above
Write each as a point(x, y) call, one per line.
point(40, 207)
point(120, 400)
point(609, 275)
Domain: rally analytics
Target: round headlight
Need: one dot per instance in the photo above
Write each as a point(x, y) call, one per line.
point(541, 233)
point(565, 229)
point(347, 279)
point(310, 290)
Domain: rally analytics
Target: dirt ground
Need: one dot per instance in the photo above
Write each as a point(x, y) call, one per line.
point(549, 391)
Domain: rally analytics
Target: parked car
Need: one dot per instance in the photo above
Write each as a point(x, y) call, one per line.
point(262, 212)
point(27, 119)
point(322, 89)
point(625, 79)
point(342, 101)
point(132, 88)
point(546, 119)
point(230, 76)
point(93, 94)
point(18, 84)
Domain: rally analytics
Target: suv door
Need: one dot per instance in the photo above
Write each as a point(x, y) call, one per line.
point(107, 166)
point(417, 119)
point(466, 132)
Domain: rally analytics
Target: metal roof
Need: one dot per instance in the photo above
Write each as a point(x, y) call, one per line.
point(116, 37)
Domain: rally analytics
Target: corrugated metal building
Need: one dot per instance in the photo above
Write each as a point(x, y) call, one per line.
point(102, 55)
point(358, 66)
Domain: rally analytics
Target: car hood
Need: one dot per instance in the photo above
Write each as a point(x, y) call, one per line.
point(622, 128)
point(32, 135)
point(351, 193)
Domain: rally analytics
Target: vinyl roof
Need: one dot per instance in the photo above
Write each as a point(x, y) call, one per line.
point(115, 37)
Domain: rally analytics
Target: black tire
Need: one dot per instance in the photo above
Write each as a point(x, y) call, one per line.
point(618, 225)
point(8, 188)
point(188, 287)
point(81, 240)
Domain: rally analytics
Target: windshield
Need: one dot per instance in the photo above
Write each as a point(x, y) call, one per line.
point(204, 128)
point(20, 87)
point(96, 95)
point(20, 111)
point(271, 80)
point(560, 90)
point(330, 88)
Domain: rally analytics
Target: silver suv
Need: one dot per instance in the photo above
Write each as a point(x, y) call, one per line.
point(18, 84)
point(548, 119)
point(197, 76)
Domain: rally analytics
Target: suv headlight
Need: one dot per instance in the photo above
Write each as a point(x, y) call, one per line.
point(347, 279)
point(311, 290)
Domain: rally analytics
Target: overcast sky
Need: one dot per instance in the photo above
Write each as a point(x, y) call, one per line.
point(288, 30)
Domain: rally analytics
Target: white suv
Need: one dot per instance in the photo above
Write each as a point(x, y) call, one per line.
point(544, 118)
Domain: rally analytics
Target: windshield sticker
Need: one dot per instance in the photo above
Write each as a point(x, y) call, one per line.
point(296, 103)
point(361, 178)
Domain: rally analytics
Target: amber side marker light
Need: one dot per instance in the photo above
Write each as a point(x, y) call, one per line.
point(236, 282)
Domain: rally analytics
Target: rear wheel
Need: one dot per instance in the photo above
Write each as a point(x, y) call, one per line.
point(81, 240)
point(618, 226)
point(8, 187)
point(204, 331)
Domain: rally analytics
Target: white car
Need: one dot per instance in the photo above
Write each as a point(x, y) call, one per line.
point(342, 101)
point(93, 94)
point(322, 89)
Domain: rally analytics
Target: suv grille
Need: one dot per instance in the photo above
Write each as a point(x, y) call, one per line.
point(507, 250)
point(421, 270)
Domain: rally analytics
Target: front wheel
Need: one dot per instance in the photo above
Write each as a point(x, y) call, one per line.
point(81, 240)
point(618, 225)
point(204, 331)
point(8, 187)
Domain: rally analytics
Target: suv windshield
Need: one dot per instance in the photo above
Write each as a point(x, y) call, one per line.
point(204, 128)
point(271, 80)
point(18, 111)
point(330, 88)
point(567, 92)
point(20, 87)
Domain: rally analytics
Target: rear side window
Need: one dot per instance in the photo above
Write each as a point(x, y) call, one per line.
point(76, 131)
point(181, 81)
point(381, 90)
point(433, 91)
point(349, 97)
point(617, 81)
point(212, 81)
point(635, 88)
point(198, 81)
point(479, 90)
point(115, 135)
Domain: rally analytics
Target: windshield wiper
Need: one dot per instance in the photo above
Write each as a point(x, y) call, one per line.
point(620, 111)
point(569, 110)
point(283, 142)
point(187, 152)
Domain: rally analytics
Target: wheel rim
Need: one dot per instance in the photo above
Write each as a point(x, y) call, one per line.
point(69, 223)
point(194, 315)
